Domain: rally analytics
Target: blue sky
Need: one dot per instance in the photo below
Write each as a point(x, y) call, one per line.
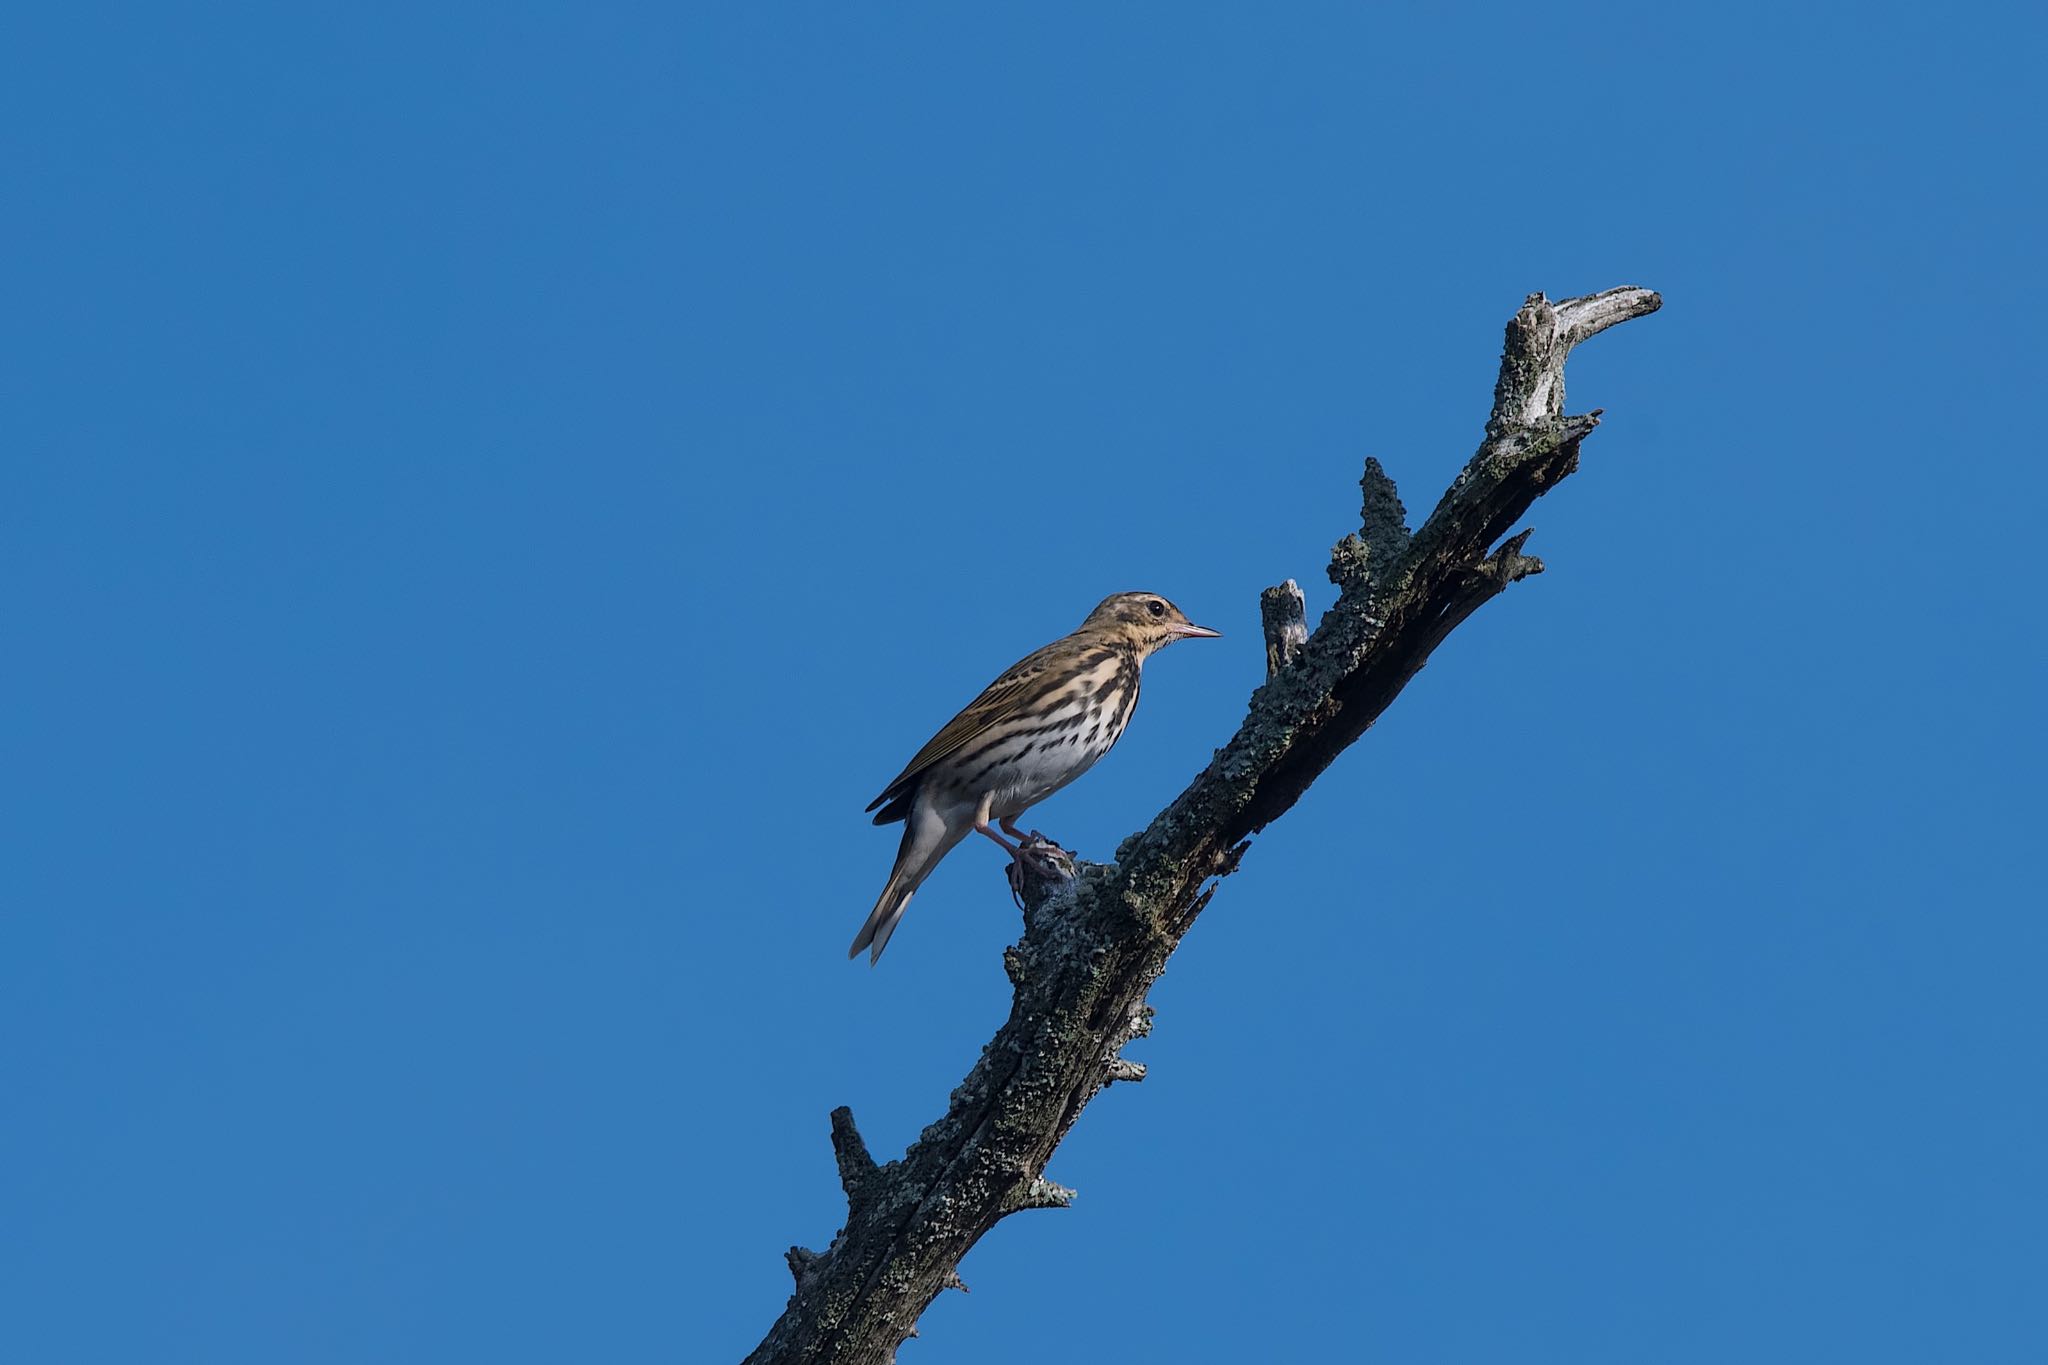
point(491, 492)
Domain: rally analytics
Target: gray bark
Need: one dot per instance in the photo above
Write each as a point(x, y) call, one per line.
point(1097, 935)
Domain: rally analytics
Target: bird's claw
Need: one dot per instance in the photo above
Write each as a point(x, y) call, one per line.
point(1037, 860)
point(1047, 857)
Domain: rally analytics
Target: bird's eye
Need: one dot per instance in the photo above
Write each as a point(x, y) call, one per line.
point(1156, 607)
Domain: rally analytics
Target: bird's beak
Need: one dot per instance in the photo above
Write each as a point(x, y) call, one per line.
point(1194, 632)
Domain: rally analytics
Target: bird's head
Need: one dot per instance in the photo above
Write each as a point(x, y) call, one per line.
point(1144, 620)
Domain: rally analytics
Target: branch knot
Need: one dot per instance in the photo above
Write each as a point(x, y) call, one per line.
point(1124, 1069)
point(1044, 1194)
point(1283, 612)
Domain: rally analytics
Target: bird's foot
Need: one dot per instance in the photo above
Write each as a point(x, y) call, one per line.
point(1047, 857)
point(1037, 866)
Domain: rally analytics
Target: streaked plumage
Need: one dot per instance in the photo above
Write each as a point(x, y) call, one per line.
point(1039, 726)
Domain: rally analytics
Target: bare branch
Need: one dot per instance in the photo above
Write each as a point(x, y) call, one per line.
point(1591, 314)
point(1097, 935)
point(1541, 336)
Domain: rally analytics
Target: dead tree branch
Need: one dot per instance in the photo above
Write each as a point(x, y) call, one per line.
point(1095, 941)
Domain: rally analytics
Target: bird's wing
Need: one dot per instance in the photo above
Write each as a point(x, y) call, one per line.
point(1020, 685)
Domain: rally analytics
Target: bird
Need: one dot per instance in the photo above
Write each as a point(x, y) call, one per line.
point(1033, 730)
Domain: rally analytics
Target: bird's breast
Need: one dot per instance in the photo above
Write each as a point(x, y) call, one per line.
point(1043, 746)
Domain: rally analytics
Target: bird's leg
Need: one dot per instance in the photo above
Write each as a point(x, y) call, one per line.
point(1004, 844)
point(981, 817)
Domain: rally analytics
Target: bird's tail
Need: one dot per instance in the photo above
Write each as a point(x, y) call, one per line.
point(925, 840)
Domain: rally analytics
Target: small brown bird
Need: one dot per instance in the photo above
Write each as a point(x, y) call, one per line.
point(1031, 732)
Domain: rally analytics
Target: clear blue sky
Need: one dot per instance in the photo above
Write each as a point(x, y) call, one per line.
point(490, 492)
